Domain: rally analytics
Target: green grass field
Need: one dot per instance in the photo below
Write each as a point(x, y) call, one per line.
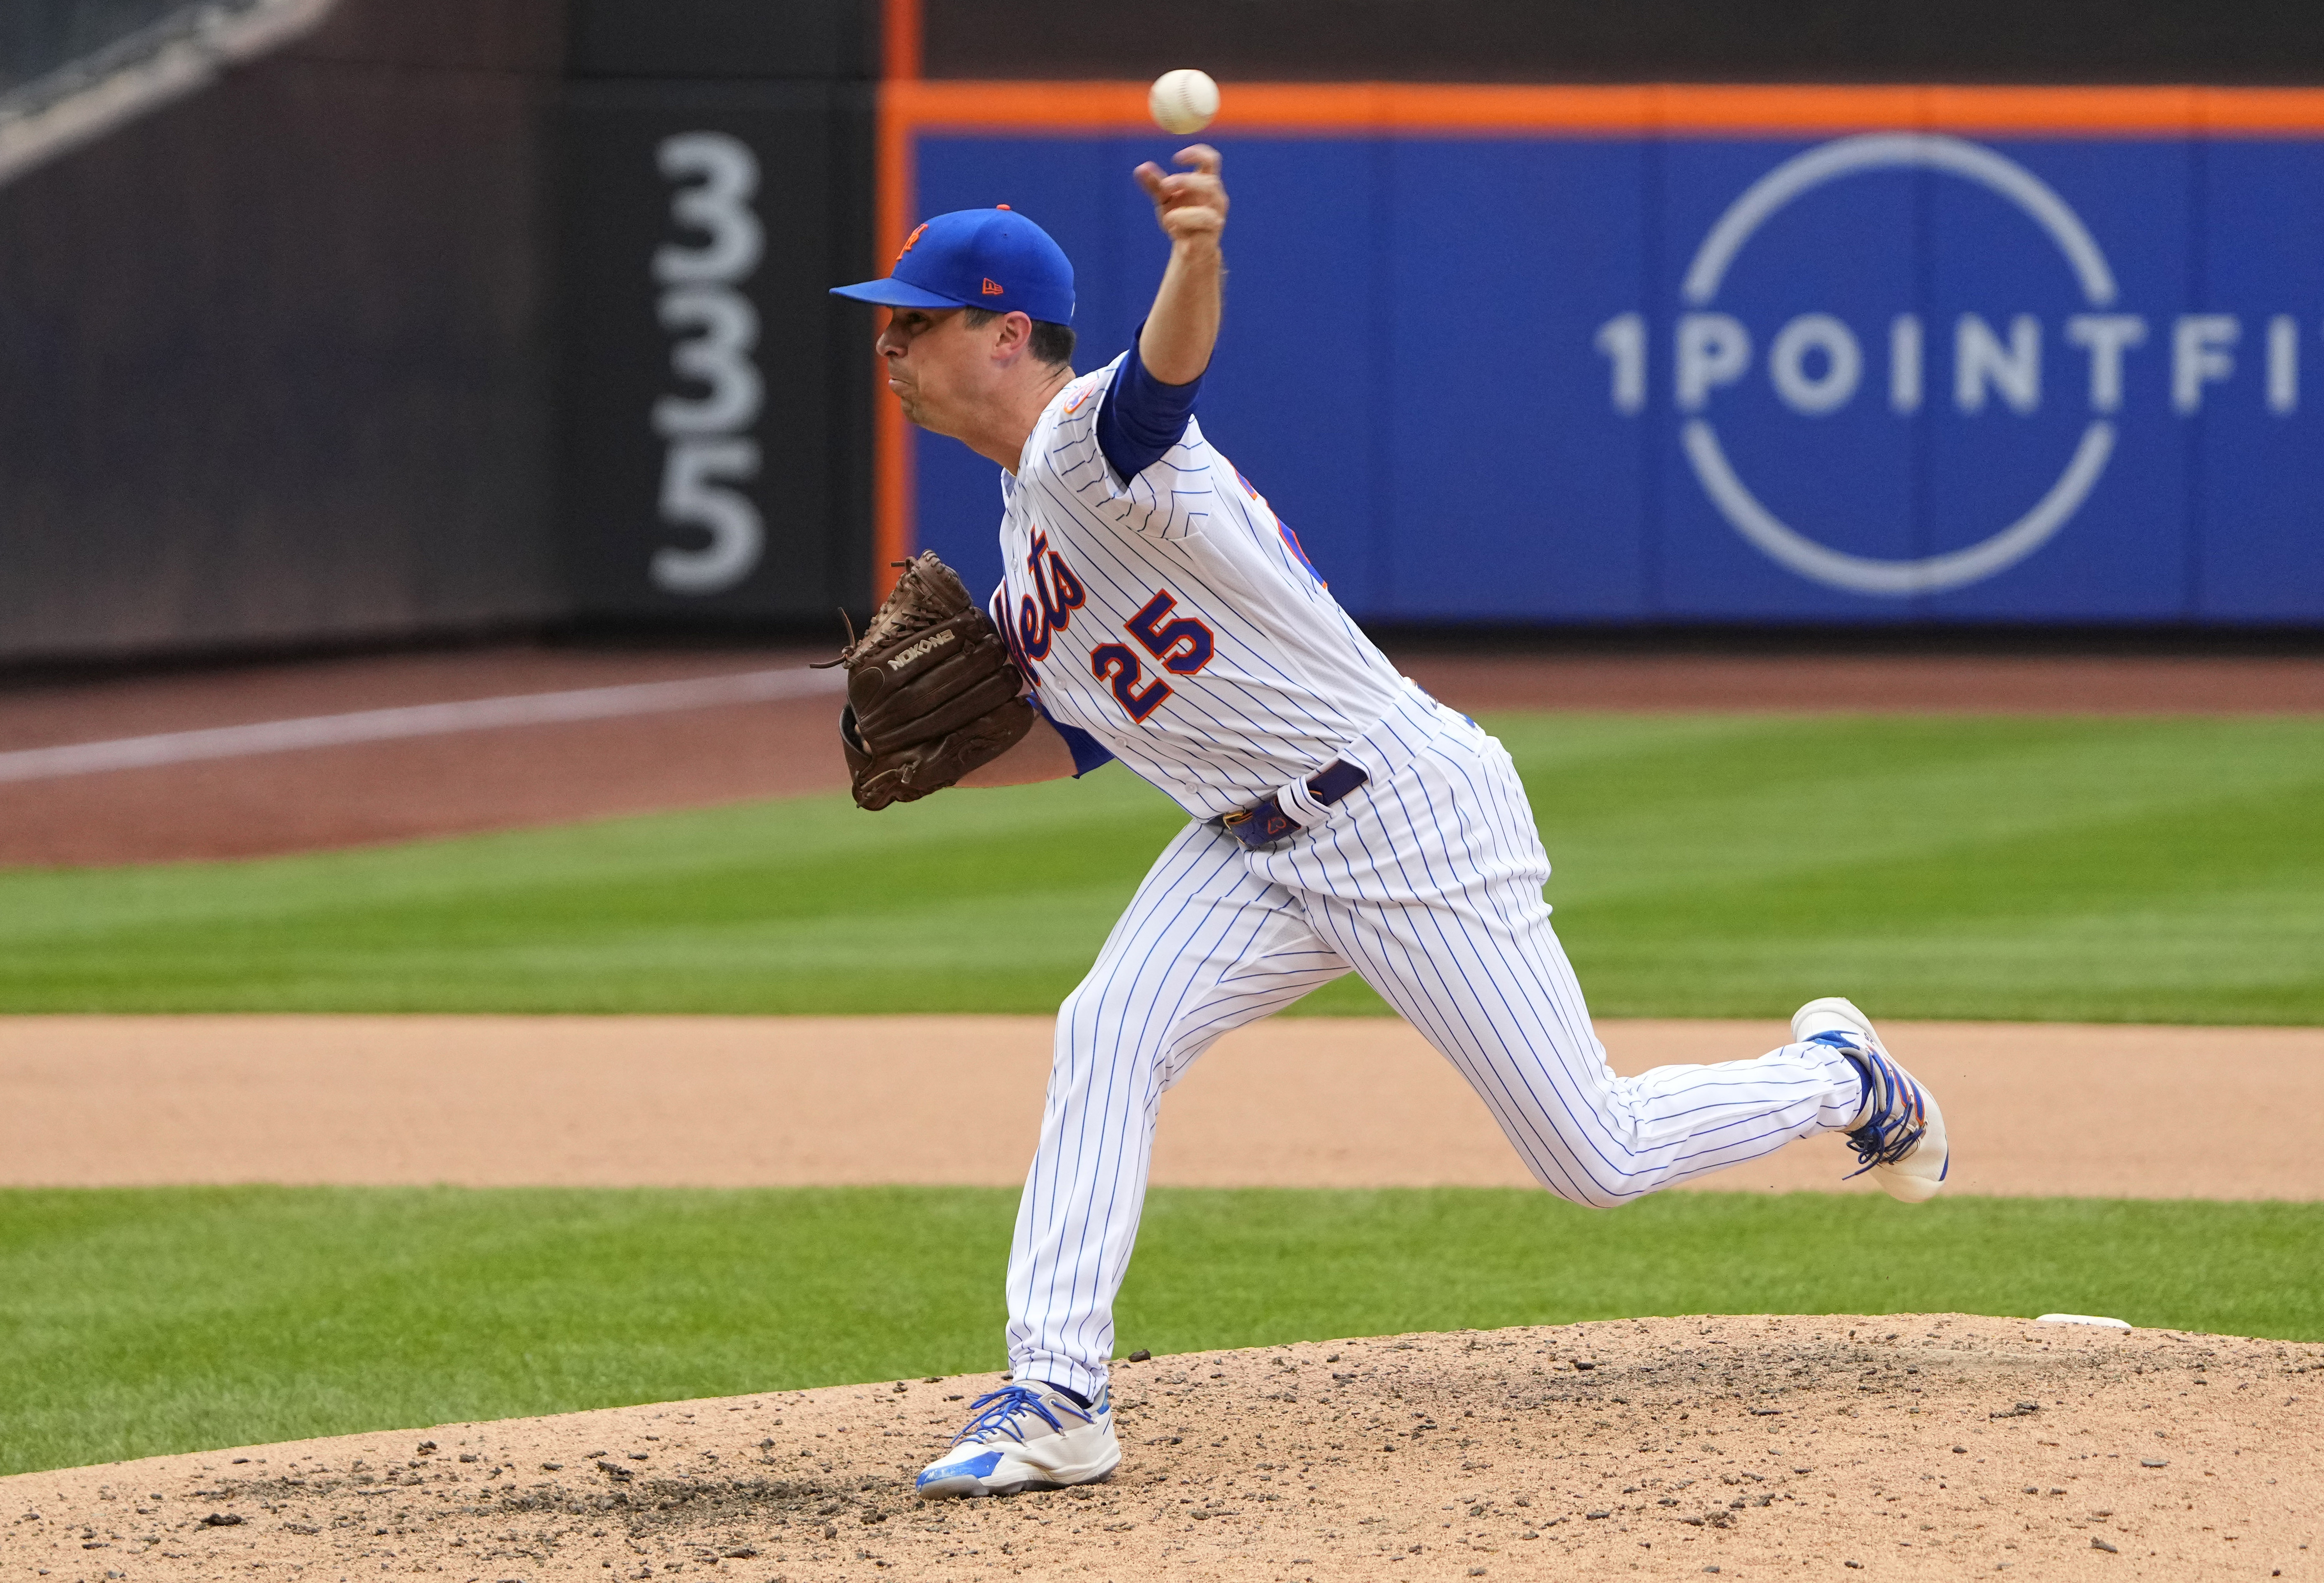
point(137, 1322)
point(2126, 869)
point(2134, 869)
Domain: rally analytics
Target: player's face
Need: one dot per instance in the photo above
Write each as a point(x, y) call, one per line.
point(939, 371)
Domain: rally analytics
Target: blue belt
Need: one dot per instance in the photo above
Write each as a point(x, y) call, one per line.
point(1268, 823)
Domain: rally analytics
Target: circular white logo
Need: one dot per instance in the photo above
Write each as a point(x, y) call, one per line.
point(1829, 340)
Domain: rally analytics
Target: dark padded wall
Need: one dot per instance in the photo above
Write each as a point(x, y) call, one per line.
point(810, 430)
point(278, 352)
point(780, 85)
point(794, 41)
point(1585, 40)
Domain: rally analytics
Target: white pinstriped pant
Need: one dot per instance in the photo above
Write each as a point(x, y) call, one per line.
point(1427, 881)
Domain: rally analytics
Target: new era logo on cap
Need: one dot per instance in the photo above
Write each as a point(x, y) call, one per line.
point(959, 259)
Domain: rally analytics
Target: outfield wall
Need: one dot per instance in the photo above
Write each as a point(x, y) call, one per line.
point(276, 350)
point(413, 323)
point(714, 463)
point(1721, 354)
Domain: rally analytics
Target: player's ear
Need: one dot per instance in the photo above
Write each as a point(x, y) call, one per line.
point(1015, 334)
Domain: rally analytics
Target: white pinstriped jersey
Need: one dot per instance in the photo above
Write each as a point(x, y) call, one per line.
point(1173, 617)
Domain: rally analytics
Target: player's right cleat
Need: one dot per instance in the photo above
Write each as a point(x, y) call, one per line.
point(1025, 1437)
point(1900, 1134)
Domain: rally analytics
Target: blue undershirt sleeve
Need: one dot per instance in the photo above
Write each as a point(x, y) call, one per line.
point(1142, 418)
point(1088, 751)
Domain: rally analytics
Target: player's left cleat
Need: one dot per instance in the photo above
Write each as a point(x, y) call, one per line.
point(1025, 1437)
point(1900, 1134)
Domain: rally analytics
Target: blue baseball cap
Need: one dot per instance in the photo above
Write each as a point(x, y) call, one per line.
point(994, 259)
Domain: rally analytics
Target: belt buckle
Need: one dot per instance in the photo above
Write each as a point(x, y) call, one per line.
point(1263, 825)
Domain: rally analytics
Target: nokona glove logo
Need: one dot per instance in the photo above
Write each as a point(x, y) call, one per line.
point(927, 645)
point(1943, 270)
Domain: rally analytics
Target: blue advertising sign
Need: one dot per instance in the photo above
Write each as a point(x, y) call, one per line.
point(1878, 376)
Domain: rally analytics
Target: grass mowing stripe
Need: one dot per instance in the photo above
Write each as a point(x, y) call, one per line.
point(2122, 870)
point(142, 1320)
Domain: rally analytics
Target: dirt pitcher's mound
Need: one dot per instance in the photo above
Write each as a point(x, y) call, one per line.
point(1910, 1446)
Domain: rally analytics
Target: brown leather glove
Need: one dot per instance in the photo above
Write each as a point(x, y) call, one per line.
point(932, 693)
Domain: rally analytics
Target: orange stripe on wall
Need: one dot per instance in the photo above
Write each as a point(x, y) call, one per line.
point(1665, 108)
point(900, 40)
point(2259, 112)
point(891, 436)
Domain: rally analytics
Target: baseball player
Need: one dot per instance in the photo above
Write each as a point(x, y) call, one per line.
point(1340, 820)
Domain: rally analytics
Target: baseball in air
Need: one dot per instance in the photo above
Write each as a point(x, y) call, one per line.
point(1183, 101)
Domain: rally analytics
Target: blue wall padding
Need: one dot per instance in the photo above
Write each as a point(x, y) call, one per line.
point(1412, 372)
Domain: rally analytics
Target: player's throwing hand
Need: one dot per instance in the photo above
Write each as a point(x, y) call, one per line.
point(1190, 206)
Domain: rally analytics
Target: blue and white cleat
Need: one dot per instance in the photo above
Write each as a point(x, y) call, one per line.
point(1025, 1437)
point(1900, 1134)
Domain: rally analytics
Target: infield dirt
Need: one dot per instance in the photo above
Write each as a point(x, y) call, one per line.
point(496, 1101)
point(1904, 1446)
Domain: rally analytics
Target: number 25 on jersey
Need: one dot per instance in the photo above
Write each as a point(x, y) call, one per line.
point(1182, 645)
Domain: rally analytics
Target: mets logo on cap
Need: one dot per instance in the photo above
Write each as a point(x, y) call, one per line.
point(992, 259)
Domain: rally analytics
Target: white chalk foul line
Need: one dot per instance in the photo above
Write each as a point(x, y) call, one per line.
point(416, 719)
